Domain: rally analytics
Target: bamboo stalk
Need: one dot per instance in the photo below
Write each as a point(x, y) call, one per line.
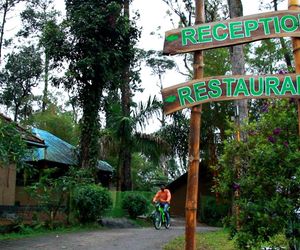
point(194, 147)
point(295, 5)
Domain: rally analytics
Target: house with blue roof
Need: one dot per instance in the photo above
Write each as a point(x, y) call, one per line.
point(60, 154)
point(45, 151)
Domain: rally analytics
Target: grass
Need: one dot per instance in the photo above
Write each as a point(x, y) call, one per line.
point(143, 222)
point(205, 241)
point(28, 232)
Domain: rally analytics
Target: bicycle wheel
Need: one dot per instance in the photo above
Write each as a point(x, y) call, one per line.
point(157, 221)
point(167, 222)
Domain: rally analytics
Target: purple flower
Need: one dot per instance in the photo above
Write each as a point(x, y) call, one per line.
point(282, 72)
point(265, 108)
point(236, 186)
point(286, 144)
point(252, 132)
point(276, 131)
point(271, 139)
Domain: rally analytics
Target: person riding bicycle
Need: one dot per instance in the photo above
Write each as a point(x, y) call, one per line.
point(163, 196)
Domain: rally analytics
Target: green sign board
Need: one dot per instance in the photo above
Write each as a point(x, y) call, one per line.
point(222, 88)
point(233, 31)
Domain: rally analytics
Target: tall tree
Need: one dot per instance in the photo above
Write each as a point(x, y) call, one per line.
point(159, 65)
point(150, 146)
point(37, 19)
point(5, 7)
point(124, 171)
point(92, 44)
point(241, 114)
point(20, 74)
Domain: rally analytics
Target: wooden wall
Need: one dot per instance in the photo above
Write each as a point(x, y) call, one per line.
point(7, 185)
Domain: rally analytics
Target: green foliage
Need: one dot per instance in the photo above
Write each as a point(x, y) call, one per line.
point(96, 41)
point(151, 147)
point(20, 74)
point(213, 213)
point(147, 174)
point(266, 57)
point(36, 16)
point(119, 196)
point(53, 191)
point(220, 55)
point(50, 193)
point(177, 134)
point(158, 63)
point(205, 241)
point(278, 241)
point(135, 204)
point(90, 202)
point(12, 147)
point(269, 180)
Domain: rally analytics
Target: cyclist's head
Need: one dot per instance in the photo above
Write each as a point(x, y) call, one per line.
point(162, 187)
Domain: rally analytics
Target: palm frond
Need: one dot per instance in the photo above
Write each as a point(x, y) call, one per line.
point(144, 112)
point(108, 144)
point(118, 123)
point(151, 146)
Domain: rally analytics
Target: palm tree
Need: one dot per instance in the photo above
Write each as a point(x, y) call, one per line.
point(123, 138)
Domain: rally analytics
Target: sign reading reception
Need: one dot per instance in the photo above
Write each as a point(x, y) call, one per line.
point(233, 31)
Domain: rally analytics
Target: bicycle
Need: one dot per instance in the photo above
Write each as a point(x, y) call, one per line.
point(159, 217)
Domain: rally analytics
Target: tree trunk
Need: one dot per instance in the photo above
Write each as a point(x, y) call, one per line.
point(46, 80)
point(286, 54)
point(16, 113)
point(124, 172)
point(238, 63)
point(5, 9)
point(89, 145)
point(163, 116)
point(238, 68)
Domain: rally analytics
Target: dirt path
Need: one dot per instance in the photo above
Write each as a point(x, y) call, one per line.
point(106, 239)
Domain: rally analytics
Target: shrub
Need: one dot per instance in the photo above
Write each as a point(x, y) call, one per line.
point(213, 213)
point(267, 167)
point(135, 204)
point(90, 202)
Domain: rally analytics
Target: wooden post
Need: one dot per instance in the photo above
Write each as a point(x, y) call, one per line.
point(295, 5)
point(194, 148)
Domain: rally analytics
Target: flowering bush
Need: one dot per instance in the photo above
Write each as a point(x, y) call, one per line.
point(265, 170)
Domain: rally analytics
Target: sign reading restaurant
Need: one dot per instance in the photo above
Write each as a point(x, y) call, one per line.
point(223, 88)
point(233, 31)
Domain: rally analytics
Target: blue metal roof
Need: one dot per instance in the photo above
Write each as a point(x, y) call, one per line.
point(59, 151)
point(56, 149)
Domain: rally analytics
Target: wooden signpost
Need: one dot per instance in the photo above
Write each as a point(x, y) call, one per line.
point(295, 5)
point(220, 88)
